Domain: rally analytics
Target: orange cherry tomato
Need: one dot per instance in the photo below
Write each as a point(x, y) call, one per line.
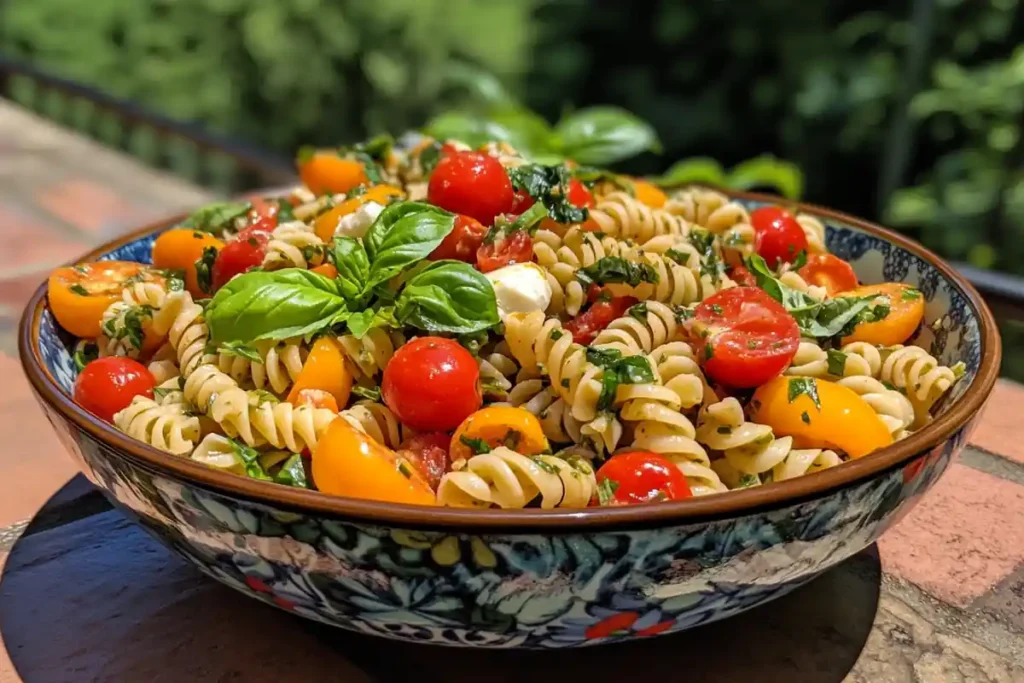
point(179, 249)
point(906, 310)
point(347, 462)
point(327, 270)
point(830, 272)
point(325, 369)
point(325, 172)
point(318, 398)
point(327, 223)
point(844, 420)
point(649, 194)
point(80, 294)
point(516, 428)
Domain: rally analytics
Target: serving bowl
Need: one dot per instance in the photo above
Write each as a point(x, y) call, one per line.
point(533, 578)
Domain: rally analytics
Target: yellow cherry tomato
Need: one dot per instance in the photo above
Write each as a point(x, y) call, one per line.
point(649, 194)
point(906, 309)
point(80, 294)
point(497, 426)
point(324, 172)
point(347, 462)
point(844, 421)
point(179, 249)
point(325, 224)
point(325, 369)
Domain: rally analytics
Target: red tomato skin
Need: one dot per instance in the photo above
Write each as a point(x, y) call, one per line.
point(462, 243)
point(504, 251)
point(830, 272)
point(752, 338)
point(239, 255)
point(107, 385)
point(520, 202)
point(585, 326)
point(432, 384)
point(471, 183)
point(742, 276)
point(579, 196)
point(643, 477)
point(428, 453)
point(777, 235)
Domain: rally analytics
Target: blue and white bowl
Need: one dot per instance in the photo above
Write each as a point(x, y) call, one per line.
point(533, 578)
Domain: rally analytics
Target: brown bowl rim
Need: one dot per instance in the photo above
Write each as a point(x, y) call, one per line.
point(703, 508)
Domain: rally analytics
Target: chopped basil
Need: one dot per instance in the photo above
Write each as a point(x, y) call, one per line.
point(836, 362)
point(368, 393)
point(549, 185)
point(709, 352)
point(565, 382)
point(716, 309)
point(638, 311)
point(801, 260)
point(204, 269)
point(546, 466)
point(161, 392)
point(429, 156)
point(618, 370)
point(478, 446)
point(250, 458)
point(805, 417)
point(241, 349)
point(292, 473)
point(85, 353)
point(959, 369)
point(404, 468)
point(910, 294)
point(79, 290)
point(678, 256)
point(682, 314)
point(724, 429)
point(606, 489)
point(805, 386)
point(616, 269)
point(556, 335)
point(748, 480)
point(512, 438)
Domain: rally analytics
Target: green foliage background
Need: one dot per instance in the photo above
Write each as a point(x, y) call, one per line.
point(909, 111)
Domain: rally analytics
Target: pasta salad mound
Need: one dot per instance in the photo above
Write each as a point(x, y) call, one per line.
point(442, 325)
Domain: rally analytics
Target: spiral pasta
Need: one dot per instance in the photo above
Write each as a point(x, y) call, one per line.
point(794, 280)
point(726, 219)
point(919, 374)
point(293, 245)
point(281, 364)
point(854, 359)
point(621, 216)
point(506, 479)
point(678, 284)
point(167, 427)
point(652, 325)
point(370, 353)
point(814, 231)
point(377, 421)
point(894, 409)
point(188, 334)
point(561, 257)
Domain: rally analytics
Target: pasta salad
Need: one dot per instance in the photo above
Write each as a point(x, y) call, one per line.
point(441, 325)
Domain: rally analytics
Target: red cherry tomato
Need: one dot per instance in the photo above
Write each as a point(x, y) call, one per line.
point(108, 385)
point(585, 326)
point(830, 272)
point(471, 183)
point(642, 477)
point(777, 235)
point(742, 276)
point(428, 453)
point(520, 202)
point(579, 195)
point(449, 148)
point(504, 251)
point(244, 252)
point(262, 216)
point(743, 336)
point(432, 384)
point(462, 242)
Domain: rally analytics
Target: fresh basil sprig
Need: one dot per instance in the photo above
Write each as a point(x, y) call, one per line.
point(404, 233)
point(353, 265)
point(448, 296)
point(615, 269)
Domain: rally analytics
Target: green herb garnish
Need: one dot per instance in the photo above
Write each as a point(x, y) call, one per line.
point(805, 386)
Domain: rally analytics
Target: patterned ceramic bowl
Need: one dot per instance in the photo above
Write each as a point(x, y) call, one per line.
point(532, 578)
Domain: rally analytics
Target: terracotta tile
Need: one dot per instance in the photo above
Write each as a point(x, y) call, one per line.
point(962, 539)
point(15, 293)
point(33, 463)
point(88, 206)
point(999, 430)
point(28, 242)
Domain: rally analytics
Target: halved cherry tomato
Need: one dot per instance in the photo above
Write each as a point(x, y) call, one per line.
point(246, 251)
point(579, 196)
point(428, 453)
point(327, 223)
point(318, 398)
point(471, 183)
point(585, 326)
point(107, 385)
point(743, 336)
point(906, 310)
point(179, 249)
point(432, 384)
point(642, 477)
point(347, 462)
point(504, 251)
point(830, 272)
point(844, 420)
point(777, 235)
point(325, 172)
point(80, 294)
point(326, 269)
point(462, 243)
point(649, 194)
point(517, 428)
point(263, 215)
point(742, 276)
point(325, 369)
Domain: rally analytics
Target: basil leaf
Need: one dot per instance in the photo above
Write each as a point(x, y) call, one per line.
point(766, 171)
point(616, 269)
point(215, 217)
point(85, 353)
point(694, 170)
point(836, 362)
point(404, 233)
point(204, 269)
point(478, 446)
point(910, 294)
point(549, 185)
point(449, 296)
point(603, 358)
point(618, 370)
point(274, 305)
point(353, 266)
point(804, 386)
point(603, 135)
point(241, 349)
point(292, 473)
point(362, 322)
point(606, 489)
point(638, 311)
point(521, 128)
point(250, 458)
point(368, 393)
